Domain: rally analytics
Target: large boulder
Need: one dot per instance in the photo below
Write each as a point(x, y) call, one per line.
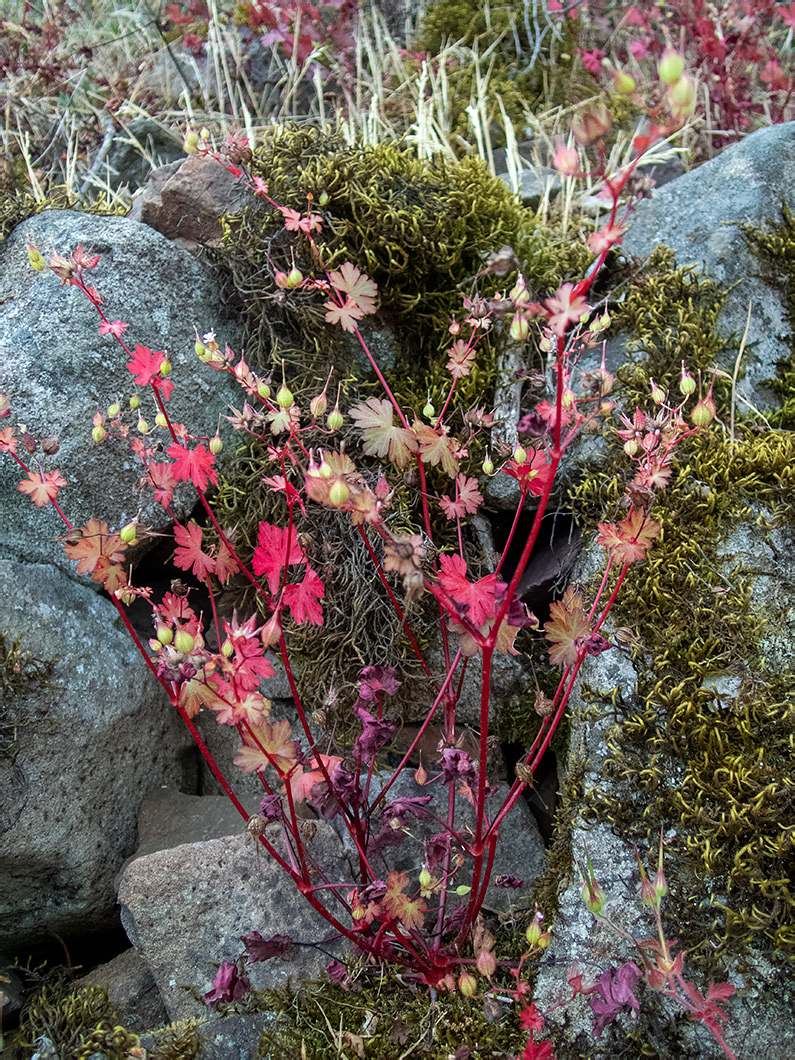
point(185, 909)
point(697, 216)
point(85, 746)
point(57, 370)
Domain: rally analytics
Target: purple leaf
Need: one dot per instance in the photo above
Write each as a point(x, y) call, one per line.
point(376, 733)
point(613, 994)
point(261, 949)
point(228, 985)
point(377, 679)
point(456, 765)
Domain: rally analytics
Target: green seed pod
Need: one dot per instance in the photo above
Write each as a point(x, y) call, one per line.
point(216, 445)
point(335, 419)
point(284, 397)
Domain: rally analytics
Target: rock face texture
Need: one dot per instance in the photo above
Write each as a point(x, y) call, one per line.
point(81, 751)
point(86, 749)
point(57, 370)
point(697, 216)
point(186, 908)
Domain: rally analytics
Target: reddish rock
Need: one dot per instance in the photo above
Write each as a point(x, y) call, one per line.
point(185, 200)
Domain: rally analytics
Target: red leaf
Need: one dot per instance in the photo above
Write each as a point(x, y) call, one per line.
point(145, 365)
point(475, 599)
point(189, 555)
point(275, 550)
point(193, 465)
point(303, 599)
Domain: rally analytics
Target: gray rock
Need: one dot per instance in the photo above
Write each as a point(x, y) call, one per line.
point(696, 216)
point(132, 991)
point(171, 818)
point(185, 909)
point(520, 849)
point(57, 370)
point(84, 753)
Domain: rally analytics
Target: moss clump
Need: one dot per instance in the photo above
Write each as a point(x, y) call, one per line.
point(385, 1017)
point(78, 1024)
point(16, 207)
point(670, 314)
point(708, 752)
point(774, 247)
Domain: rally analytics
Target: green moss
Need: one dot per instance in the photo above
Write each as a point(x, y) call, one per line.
point(78, 1024)
point(706, 749)
point(774, 247)
point(386, 1017)
point(670, 315)
point(16, 207)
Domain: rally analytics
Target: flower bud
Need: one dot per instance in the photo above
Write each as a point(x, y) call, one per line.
point(99, 434)
point(216, 445)
point(127, 598)
point(631, 446)
point(520, 454)
point(592, 894)
point(520, 328)
point(467, 984)
point(190, 143)
point(160, 420)
point(228, 648)
point(135, 401)
point(486, 963)
point(566, 161)
point(263, 390)
point(165, 367)
point(184, 642)
point(335, 420)
point(546, 345)
point(165, 634)
point(284, 397)
point(682, 96)
point(428, 410)
point(114, 410)
point(591, 124)
point(37, 262)
point(425, 879)
point(487, 465)
point(687, 383)
point(454, 328)
point(671, 66)
point(318, 405)
point(143, 426)
point(339, 493)
point(325, 469)
point(704, 412)
point(201, 351)
point(657, 393)
point(623, 83)
point(294, 278)
point(534, 933)
point(128, 533)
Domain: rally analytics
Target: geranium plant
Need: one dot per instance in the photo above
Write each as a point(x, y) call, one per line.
point(429, 924)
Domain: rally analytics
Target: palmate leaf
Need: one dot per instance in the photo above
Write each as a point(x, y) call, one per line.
point(436, 447)
point(567, 628)
point(629, 540)
point(410, 913)
point(380, 436)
